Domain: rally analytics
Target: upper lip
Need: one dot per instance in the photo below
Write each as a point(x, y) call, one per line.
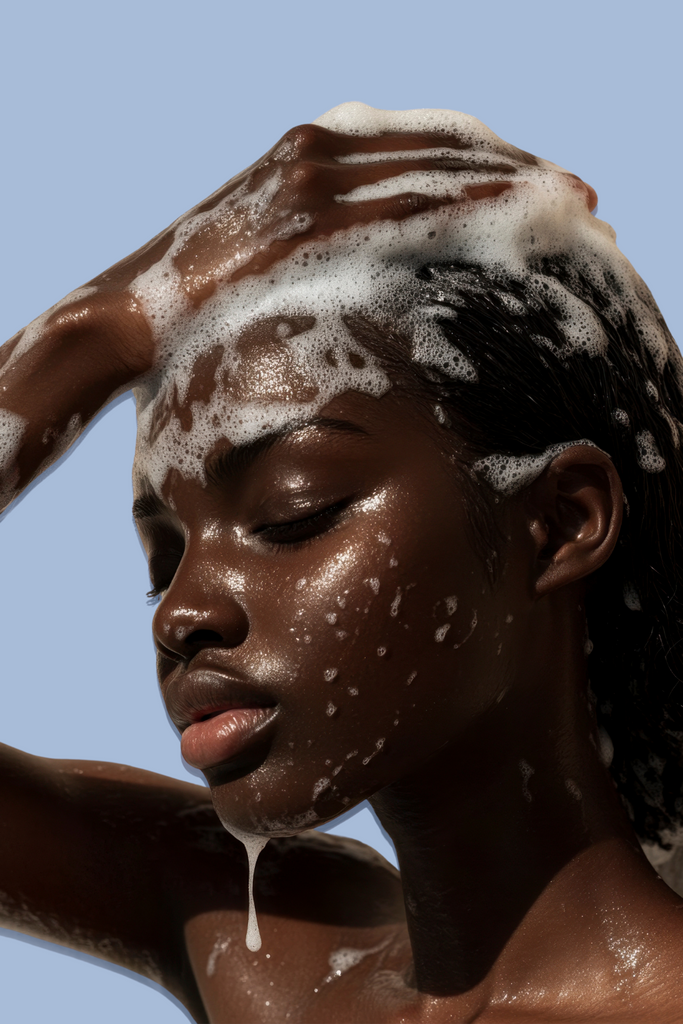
point(203, 691)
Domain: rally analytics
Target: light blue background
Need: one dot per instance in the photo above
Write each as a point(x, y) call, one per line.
point(117, 118)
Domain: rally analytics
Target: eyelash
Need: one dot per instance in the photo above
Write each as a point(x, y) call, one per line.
point(169, 559)
point(318, 522)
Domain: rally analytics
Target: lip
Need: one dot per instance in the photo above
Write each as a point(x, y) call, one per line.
point(220, 717)
point(226, 736)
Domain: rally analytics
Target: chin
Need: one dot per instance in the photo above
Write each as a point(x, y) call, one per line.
point(256, 813)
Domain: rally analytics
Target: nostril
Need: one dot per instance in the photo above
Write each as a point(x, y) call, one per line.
point(185, 628)
point(200, 637)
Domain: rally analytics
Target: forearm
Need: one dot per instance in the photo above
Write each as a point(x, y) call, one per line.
point(58, 373)
point(85, 854)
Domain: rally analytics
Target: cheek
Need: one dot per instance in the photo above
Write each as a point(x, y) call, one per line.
point(379, 633)
point(378, 640)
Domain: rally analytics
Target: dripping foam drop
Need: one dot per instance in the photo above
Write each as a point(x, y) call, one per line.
point(253, 845)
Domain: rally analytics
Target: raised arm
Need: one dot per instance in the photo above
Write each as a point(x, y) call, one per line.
point(101, 339)
point(96, 857)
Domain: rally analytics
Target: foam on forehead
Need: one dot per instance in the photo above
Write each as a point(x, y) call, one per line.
point(502, 211)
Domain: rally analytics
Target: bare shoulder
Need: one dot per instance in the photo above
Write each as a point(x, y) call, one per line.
point(324, 904)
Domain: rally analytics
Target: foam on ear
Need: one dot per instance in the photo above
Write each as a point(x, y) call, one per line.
point(509, 474)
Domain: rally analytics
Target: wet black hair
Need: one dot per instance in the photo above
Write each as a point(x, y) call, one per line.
point(534, 389)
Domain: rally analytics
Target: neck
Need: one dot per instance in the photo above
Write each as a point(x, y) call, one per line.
point(484, 828)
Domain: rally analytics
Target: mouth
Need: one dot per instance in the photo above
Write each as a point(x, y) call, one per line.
point(222, 720)
point(225, 736)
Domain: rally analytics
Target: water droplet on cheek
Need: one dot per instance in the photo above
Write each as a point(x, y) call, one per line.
point(318, 788)
point(378, 746)
point(393, 611)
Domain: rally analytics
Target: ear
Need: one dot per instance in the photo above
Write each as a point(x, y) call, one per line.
point(574, 511)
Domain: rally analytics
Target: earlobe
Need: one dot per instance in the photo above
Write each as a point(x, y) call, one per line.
point(574, 512)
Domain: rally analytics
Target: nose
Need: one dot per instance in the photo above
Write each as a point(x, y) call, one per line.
point(200, 610)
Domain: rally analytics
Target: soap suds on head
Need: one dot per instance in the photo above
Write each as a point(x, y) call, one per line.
point(508, 474)
point(649, 457)
point(282, 344)
point(652, 392)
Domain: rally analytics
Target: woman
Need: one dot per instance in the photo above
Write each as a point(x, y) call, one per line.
point(390, 382)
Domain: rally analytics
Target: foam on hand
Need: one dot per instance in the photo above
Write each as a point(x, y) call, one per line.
point(12, 430)
point(493, 207)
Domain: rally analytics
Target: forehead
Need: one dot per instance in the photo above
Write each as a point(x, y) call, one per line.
point(353, 431)
point(276, 372)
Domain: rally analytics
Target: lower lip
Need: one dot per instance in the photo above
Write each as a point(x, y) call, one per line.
point(225, 736)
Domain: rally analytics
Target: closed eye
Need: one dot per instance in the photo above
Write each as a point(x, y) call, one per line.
point(162, 569)
point(300, 531)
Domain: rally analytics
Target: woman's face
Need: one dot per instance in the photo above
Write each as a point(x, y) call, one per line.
point(325, 624)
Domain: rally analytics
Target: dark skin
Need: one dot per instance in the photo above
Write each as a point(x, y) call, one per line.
point(523, 894)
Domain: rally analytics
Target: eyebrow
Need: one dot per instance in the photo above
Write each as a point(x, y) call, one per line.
point(147, 506)
point(225, 465)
